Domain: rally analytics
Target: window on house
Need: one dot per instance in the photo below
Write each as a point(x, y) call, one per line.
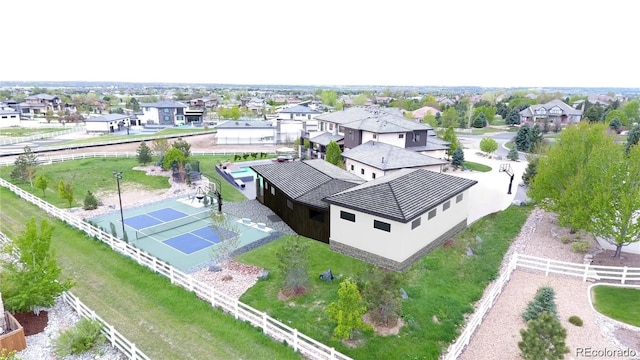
point(146, 108)
point(352, 167)
point(361, 171)
point(341, 129)
point(266, 185)
point(166, 118)
point(347, 216)
point(273, 190)
point(375, 136)
point(459, 198)
point(289, 204)
point(316, 215)
point(416, 137)
point(415, 223)
point(373, 175)
point(400, 136)
point(166, 111)
point(330, 126)
point(382, 225)
point(446, 205)
point(432, 214)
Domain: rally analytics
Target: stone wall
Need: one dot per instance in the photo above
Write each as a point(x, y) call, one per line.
point(395, 265)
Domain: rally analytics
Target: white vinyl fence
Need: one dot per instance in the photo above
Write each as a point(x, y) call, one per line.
point(301, 343)
point(123, 154)
point(16, 140)
point(585, 271)
point(114, 338)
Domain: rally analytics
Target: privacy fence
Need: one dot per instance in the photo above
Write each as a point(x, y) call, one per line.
point(301, 343)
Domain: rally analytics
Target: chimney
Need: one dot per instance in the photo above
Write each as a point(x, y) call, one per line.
point(383, 159)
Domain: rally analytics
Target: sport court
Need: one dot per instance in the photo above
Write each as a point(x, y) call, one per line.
point(181, 232)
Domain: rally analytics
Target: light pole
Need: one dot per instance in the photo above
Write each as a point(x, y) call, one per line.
point(118, 175)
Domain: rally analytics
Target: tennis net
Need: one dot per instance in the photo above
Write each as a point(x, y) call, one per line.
point(169, 225)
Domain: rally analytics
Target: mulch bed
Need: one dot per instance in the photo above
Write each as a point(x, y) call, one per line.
point(606, 258)
point(32, 323)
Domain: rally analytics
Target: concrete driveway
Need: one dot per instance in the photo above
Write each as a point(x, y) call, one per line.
point(489, 195)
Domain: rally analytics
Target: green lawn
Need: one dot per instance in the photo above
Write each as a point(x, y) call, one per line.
point(23, 132)
point(476, 166)
point(509, 145)
point(443, 287)
point(96, 175)
point(163, 132)
point(163, 320)
point(622, 304)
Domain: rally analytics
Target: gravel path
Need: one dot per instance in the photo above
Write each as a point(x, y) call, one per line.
point(498, 335)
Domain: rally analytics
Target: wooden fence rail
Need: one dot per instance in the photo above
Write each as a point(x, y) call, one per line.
point(584, 271)
point(305, 345)
point(16, 140)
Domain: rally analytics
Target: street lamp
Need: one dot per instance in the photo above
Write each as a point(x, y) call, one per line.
point(118, 175)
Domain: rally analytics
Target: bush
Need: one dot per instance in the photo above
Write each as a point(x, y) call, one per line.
point(543, 301)
point(575, 320)
point(6, 355)
point(581, 246)
point(90, 201)
point(80, 338)
point(565, 239)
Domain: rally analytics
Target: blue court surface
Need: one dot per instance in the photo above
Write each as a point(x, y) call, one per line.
point(196, 240)
point(153, 218)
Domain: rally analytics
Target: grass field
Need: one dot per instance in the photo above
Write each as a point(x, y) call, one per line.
point(109, 137)
point(23, 132)
point(509, 145)
point(442, 288)
point(97, 175)
point(622, 304)
point(476, 166)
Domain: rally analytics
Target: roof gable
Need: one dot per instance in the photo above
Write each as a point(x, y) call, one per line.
point(388, 157)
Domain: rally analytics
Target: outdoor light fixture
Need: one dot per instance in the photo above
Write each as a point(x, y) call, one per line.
point(118, 175)
point(199, 193)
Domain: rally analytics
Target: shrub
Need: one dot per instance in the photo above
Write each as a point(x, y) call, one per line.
point(544, 338)
point(581, 246)
point(90, 201)
point(543, 301)
point(6, 355)
point(575, 320)
point(565, 239)
point(84, 335)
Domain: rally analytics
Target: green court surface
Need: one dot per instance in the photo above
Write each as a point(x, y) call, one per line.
point(180, 231)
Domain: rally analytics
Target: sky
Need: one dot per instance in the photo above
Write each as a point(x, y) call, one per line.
point(488, 43)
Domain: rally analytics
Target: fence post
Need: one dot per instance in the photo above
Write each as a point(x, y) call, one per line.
point(171, 274)
point(586, 271)
point(213, 296)
point(112, 337)
point(546, 273)
point(333, 353)
point(295, 340)
point(624, 275)
point(264, 322)
point(133, 351)
point(235, 309)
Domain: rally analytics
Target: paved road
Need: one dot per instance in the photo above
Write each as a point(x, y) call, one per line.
point(473, 142)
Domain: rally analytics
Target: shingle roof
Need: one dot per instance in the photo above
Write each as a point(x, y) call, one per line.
point(307, 181)
point(403, 195)
point(253, 124)
point(107, 117)
point(300, 109)
point(372, 119)
point(325, 138)
point(566, 109)
point(41, 97)
point(388, 157)
point(164, 104)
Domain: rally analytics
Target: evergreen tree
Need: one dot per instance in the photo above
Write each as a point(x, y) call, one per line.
point(523, 138)
point(513, 117)
point(334, 155)
point(535, 137)
point(633, 137)
point(544, 301)
point(144, 153)
point(25, 166)
point(480, 121)
point(531, 170)
point(457, 159)
point(543, 339)
point(513, 155)
point(347, 311)
point(90, 201)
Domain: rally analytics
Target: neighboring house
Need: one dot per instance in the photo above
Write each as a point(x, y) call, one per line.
point(397, 219)
point(107, 123)
point(295, 192)
point(419, 114)
point(39, 104)
point(358, 125)
point(300, 112)
point(9, 117)
point(553, 111)
point(246, 132)
point(375, 159)
point(168, 112)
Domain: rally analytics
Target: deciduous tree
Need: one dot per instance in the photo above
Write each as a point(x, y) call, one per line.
point(160, 146)
point(25, 166)
point(347, 311)
point(173, 155)
point(42, 182)
point(450, 118)
point(293, 265)
point(183, 146)
point(451, 137)
point(488, 145)
point(382, 295)
point(334, 155)
point(623, 120)
point(65, 190)
point(34, 279)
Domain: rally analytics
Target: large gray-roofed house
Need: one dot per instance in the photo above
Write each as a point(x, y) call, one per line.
point(554, 110)
point(295, 190)
point(395, 220)
point(374, 159)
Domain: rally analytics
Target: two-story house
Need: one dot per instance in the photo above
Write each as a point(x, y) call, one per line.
point(168, 112)
point(39, 104)
point(555, 111)
point(358, 125)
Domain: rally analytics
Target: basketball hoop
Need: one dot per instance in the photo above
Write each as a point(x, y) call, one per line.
point(506, 168)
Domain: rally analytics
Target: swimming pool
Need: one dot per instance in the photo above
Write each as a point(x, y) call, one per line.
point(242, 173)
